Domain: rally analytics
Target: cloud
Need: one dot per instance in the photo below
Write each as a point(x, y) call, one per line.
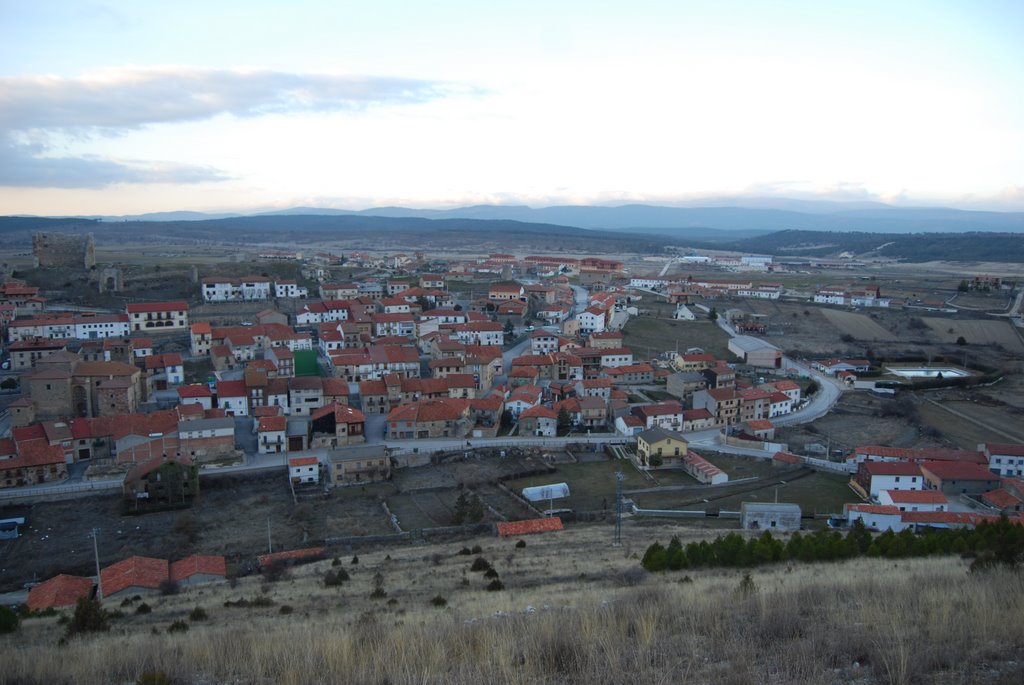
point(35, 110)
point(27, 166)
point(130, 98)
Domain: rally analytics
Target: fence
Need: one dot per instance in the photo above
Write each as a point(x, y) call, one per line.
point(60, 492)
point(830, 466)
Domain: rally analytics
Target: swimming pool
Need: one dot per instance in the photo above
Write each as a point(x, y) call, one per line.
point(927, 371)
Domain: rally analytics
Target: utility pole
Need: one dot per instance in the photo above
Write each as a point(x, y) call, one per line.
point(94, 533)
point(618, 508)
point(270, 545)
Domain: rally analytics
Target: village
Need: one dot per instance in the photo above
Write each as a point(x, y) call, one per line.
point(544, 368)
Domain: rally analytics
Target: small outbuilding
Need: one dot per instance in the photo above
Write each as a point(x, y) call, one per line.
point(769, 516)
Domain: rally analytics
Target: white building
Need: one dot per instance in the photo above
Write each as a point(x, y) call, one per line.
point(219, 289)
point(304, 469)
point(290, 289)
point(1004, 459)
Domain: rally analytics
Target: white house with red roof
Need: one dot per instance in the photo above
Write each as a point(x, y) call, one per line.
point(873, 477)
point(271, 434)
point(1006, 459)
point(233, 397)
point(914, 500)
point(158, 317)
point(196, 393)
point(304, 469)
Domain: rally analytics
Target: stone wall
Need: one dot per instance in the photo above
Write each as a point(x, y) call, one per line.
point(75, 250)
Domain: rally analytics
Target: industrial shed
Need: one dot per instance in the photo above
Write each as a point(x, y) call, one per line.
point(756, 352)
point(769, 516)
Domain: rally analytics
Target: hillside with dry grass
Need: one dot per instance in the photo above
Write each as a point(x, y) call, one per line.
point(572, 608)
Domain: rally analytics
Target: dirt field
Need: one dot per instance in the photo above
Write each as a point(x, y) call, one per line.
point(853, 421)
point(233, 514)
point(860, 326)
point(977, 332)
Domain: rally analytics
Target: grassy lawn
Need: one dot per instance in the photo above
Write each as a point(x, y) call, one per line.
point(591, 485)
point(648, 336)
point(739, 467)
point(819, 493)
point(305, 363)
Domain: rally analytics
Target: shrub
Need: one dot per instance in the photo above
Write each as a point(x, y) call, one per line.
point(521, 544)
point(355, 560)
point(335, 578)
point(285, 609)
point(476, 549)
point(275, 571)
point(9, 620)
point(495, 585)
point(747, 586)
point(89, 617)
point(258, 601)
point(465, 551)
point(198, 614)
point(336, 562)
point(480, 564)
point(178, 627)
point(378, 593)
point(490, 573)
point(143, 609)
point(439, 601)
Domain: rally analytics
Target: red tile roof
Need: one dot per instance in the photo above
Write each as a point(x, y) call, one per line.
point(1004, 449)
point(958, 470)
point(917, 496)
point(273, 423)
point(157, 307)
point(143, 572)
point(198, 564)
point(59, 591)
point(1002, 499)
point(529, 526)
point(294, 554)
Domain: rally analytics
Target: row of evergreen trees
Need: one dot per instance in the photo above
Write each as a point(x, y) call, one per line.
point(1000, 543)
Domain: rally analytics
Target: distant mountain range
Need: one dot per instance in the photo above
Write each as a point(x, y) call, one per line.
point(922, 234)
point(709, 219)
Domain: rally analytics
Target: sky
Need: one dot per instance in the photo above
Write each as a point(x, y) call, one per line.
point(133, 107)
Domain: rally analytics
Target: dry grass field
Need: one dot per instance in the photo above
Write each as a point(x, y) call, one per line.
point(860, 326)
point(977, 332)
point(574, 609)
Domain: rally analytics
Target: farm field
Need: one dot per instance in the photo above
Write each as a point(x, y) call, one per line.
point(648, 337)
point(977, 332)
point(968, 423)
point(860, 326)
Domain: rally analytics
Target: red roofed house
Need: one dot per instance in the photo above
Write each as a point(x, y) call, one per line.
point(271, 434)
point(158, 317)
point(196, 393)
point(914, 500)
point(133, 576)
point(538, 420)
point(440, 418)
point(198, 568)
point(336, 425)
point(59, 591)
point(304, 469)
point(29, 459)
point(1004, 459)
point(959, 478)
point(874, 476)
